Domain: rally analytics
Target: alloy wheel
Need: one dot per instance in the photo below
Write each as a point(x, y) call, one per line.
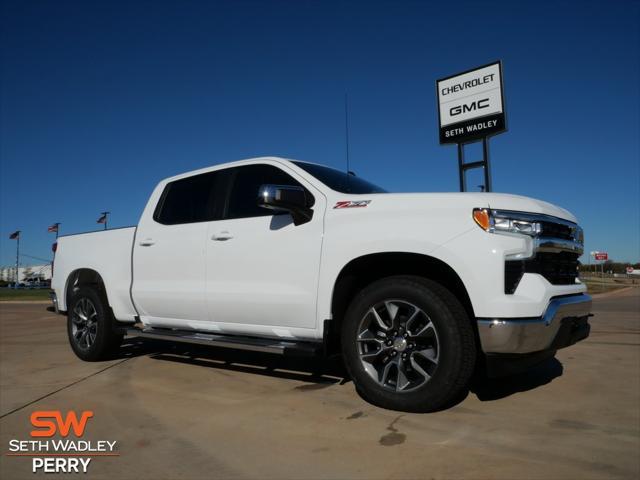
point(84, 323)
point(398, 345)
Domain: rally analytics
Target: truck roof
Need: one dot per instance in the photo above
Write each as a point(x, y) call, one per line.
point(236, 163)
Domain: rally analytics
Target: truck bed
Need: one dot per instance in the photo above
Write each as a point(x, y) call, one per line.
point(105, 251)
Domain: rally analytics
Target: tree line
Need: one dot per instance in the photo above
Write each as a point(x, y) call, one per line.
point(609, 266)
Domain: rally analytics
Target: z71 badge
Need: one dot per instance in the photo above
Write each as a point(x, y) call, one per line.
point(352, 204)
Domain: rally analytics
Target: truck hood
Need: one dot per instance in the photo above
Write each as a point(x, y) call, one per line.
point(500, 201)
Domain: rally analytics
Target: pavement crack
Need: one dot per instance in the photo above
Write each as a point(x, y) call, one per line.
point(63, 388)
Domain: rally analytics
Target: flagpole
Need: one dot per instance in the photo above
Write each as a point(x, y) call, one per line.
point(106, 218)
point(54, 229)
point(15, 286)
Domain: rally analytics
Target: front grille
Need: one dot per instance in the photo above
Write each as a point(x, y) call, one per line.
point(558, 268)
point(557, 230)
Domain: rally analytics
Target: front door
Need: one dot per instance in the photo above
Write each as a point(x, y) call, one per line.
point(262, 270)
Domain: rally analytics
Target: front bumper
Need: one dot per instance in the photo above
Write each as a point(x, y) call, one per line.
point(563, 323)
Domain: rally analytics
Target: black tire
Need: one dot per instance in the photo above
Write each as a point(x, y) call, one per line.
point(453, 342)
point(101, 339)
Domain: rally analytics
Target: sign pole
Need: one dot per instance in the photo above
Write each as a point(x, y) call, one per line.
point(487, 169)
point(601, 257)
point(463, 182)
point(484, 163)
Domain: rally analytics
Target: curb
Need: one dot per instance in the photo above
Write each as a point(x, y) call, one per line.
point(29, 302)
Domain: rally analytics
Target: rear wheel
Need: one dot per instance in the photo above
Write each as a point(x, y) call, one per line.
point(90, 326)
point(408, 344)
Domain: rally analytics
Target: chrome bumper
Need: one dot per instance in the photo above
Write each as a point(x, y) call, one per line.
point(563, 323)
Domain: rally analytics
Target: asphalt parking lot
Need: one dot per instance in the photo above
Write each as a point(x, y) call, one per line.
point(176, 411)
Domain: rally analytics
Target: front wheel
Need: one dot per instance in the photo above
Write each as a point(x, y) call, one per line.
point(408, 344)
point(90, 326)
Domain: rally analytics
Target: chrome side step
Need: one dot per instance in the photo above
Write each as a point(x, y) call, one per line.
point(254, 344)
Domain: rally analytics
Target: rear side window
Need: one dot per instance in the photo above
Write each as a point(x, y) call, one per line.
point(243, 200)
point(188, 200)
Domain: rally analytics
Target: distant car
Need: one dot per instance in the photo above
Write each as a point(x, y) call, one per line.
point(37, 283)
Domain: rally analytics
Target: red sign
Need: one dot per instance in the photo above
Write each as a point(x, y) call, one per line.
point(601, 256)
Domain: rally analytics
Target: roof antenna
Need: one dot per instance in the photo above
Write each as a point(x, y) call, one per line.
point(346, 129)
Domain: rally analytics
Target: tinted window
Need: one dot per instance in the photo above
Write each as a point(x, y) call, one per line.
point(188, 200)
point(340, 181)
point(243, 201)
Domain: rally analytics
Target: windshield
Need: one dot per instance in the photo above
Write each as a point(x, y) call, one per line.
point(340, 181)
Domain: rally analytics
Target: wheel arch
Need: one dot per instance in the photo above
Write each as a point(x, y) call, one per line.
point(84, 277)
point(366, 269)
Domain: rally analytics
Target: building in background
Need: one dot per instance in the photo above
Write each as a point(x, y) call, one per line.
point(26, 272)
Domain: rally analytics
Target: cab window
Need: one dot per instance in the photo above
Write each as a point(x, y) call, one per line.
point(188, 200)
point(246, 181)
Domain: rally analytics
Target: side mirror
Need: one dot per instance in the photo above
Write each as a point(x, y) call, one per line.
point(286, 198)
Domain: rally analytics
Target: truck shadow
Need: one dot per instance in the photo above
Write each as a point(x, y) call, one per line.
point(321, 372)
point(489, 389)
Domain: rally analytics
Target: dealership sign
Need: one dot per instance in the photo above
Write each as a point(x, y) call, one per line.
point(471, 104)
point(601, 256)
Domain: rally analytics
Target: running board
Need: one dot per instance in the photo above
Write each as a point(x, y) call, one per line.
point(255, 344)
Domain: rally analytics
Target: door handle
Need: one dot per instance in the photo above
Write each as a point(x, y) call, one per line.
point(146, 243)
point(221, 237)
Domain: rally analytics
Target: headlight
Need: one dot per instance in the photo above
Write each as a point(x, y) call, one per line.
point(505, 222)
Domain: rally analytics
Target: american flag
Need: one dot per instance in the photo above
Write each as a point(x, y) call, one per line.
point(53, 228)
point(15, 235)
point(102, 219)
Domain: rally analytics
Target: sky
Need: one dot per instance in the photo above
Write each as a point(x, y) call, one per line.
point(101, 100)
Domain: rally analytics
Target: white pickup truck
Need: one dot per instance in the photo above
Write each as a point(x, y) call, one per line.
point(415, 290)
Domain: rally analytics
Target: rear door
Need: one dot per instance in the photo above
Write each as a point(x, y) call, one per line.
point(262, 270)
point(169, 253)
